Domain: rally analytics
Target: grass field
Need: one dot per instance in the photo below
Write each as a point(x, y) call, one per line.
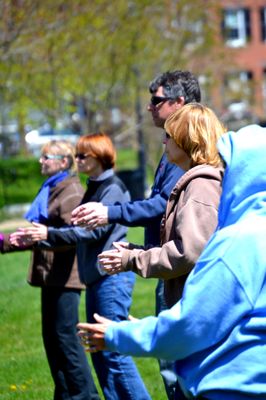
point(24, 370)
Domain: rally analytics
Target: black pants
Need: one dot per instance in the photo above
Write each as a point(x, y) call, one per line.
point(167, 368)
point(66, 357)
point(201, 398)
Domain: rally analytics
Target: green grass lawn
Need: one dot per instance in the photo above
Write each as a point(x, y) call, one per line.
point(24, 370)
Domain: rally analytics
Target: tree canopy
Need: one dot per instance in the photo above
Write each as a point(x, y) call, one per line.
point(58, 55)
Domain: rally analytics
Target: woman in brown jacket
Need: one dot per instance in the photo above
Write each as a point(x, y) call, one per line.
point(191, 215)
point(57, 275)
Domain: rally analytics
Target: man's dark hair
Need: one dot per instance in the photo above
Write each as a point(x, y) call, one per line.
point(176, 84)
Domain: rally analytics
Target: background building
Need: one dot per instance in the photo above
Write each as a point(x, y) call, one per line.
point(242, 90)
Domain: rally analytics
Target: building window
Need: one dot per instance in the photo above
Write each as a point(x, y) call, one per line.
point(263, 23)
point(236, 26)
point(238, 87)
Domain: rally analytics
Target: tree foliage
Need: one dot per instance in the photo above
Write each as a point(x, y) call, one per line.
point(55, 55)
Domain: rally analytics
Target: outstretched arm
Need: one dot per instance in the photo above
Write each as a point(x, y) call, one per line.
point(132, 213)
point(29, 235)
point(186, 326)
point(91, 215)
point(8, 246)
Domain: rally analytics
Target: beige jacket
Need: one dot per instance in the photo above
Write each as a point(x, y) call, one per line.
point(190, 220)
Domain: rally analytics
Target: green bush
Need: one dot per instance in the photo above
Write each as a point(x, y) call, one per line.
point(20, 178)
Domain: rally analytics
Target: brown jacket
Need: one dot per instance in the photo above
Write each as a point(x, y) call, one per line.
point(56, 268)
point(190, 220)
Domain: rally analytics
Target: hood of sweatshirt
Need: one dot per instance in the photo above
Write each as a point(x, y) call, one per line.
point(199, 171)
point(244, 181)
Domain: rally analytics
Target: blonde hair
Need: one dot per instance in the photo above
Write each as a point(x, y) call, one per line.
point(196, 129)
point(62, 148)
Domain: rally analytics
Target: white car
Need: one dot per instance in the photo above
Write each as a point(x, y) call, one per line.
point(36, 138)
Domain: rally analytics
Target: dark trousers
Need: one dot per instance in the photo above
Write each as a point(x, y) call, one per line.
point(167, 368)
point(111, 297)
point(66, 357)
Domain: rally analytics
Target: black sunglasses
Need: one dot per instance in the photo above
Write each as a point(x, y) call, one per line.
point(159, 99)
point(81, 156)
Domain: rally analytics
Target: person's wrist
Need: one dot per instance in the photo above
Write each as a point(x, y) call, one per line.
point(106, 214)
point(125, 260)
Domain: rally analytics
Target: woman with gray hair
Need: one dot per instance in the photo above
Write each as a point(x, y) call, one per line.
point(57, 275)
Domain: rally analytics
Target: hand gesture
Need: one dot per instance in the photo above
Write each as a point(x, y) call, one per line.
point(92, 335)
point(90, 215)
point(20, 240)
point(111, 260)
point(29, 235)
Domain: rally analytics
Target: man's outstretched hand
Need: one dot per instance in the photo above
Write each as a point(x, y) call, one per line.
point(90, 215)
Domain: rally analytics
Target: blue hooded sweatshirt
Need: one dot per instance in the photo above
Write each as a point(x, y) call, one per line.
point(217, 331)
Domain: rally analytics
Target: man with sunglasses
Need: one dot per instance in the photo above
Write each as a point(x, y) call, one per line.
point(169, 92)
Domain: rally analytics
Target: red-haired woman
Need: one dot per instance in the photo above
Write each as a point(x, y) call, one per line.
point(57, 275)
point(106, 295)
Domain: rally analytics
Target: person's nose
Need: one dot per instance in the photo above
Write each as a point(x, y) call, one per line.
point(150, 107)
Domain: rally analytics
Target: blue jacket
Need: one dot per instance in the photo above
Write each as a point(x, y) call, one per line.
point(108, 188)
point(217, 332)
point(149, 212)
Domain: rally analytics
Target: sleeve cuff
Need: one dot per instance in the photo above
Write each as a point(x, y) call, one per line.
point(114, 213)
point(125, 260)
point(108, 338)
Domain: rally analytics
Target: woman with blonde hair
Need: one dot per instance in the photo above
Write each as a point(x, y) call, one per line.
point(217, 332)
point(190, 142)
point(57, 275)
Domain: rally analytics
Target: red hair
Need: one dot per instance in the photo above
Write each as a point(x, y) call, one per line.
point(100, 146)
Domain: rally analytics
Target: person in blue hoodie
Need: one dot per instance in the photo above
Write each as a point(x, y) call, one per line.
point(216, 333)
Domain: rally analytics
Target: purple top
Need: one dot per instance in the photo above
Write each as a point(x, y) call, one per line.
point(1, 240)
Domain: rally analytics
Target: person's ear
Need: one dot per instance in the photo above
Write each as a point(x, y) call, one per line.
point(65, 163)
point(180, 102)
